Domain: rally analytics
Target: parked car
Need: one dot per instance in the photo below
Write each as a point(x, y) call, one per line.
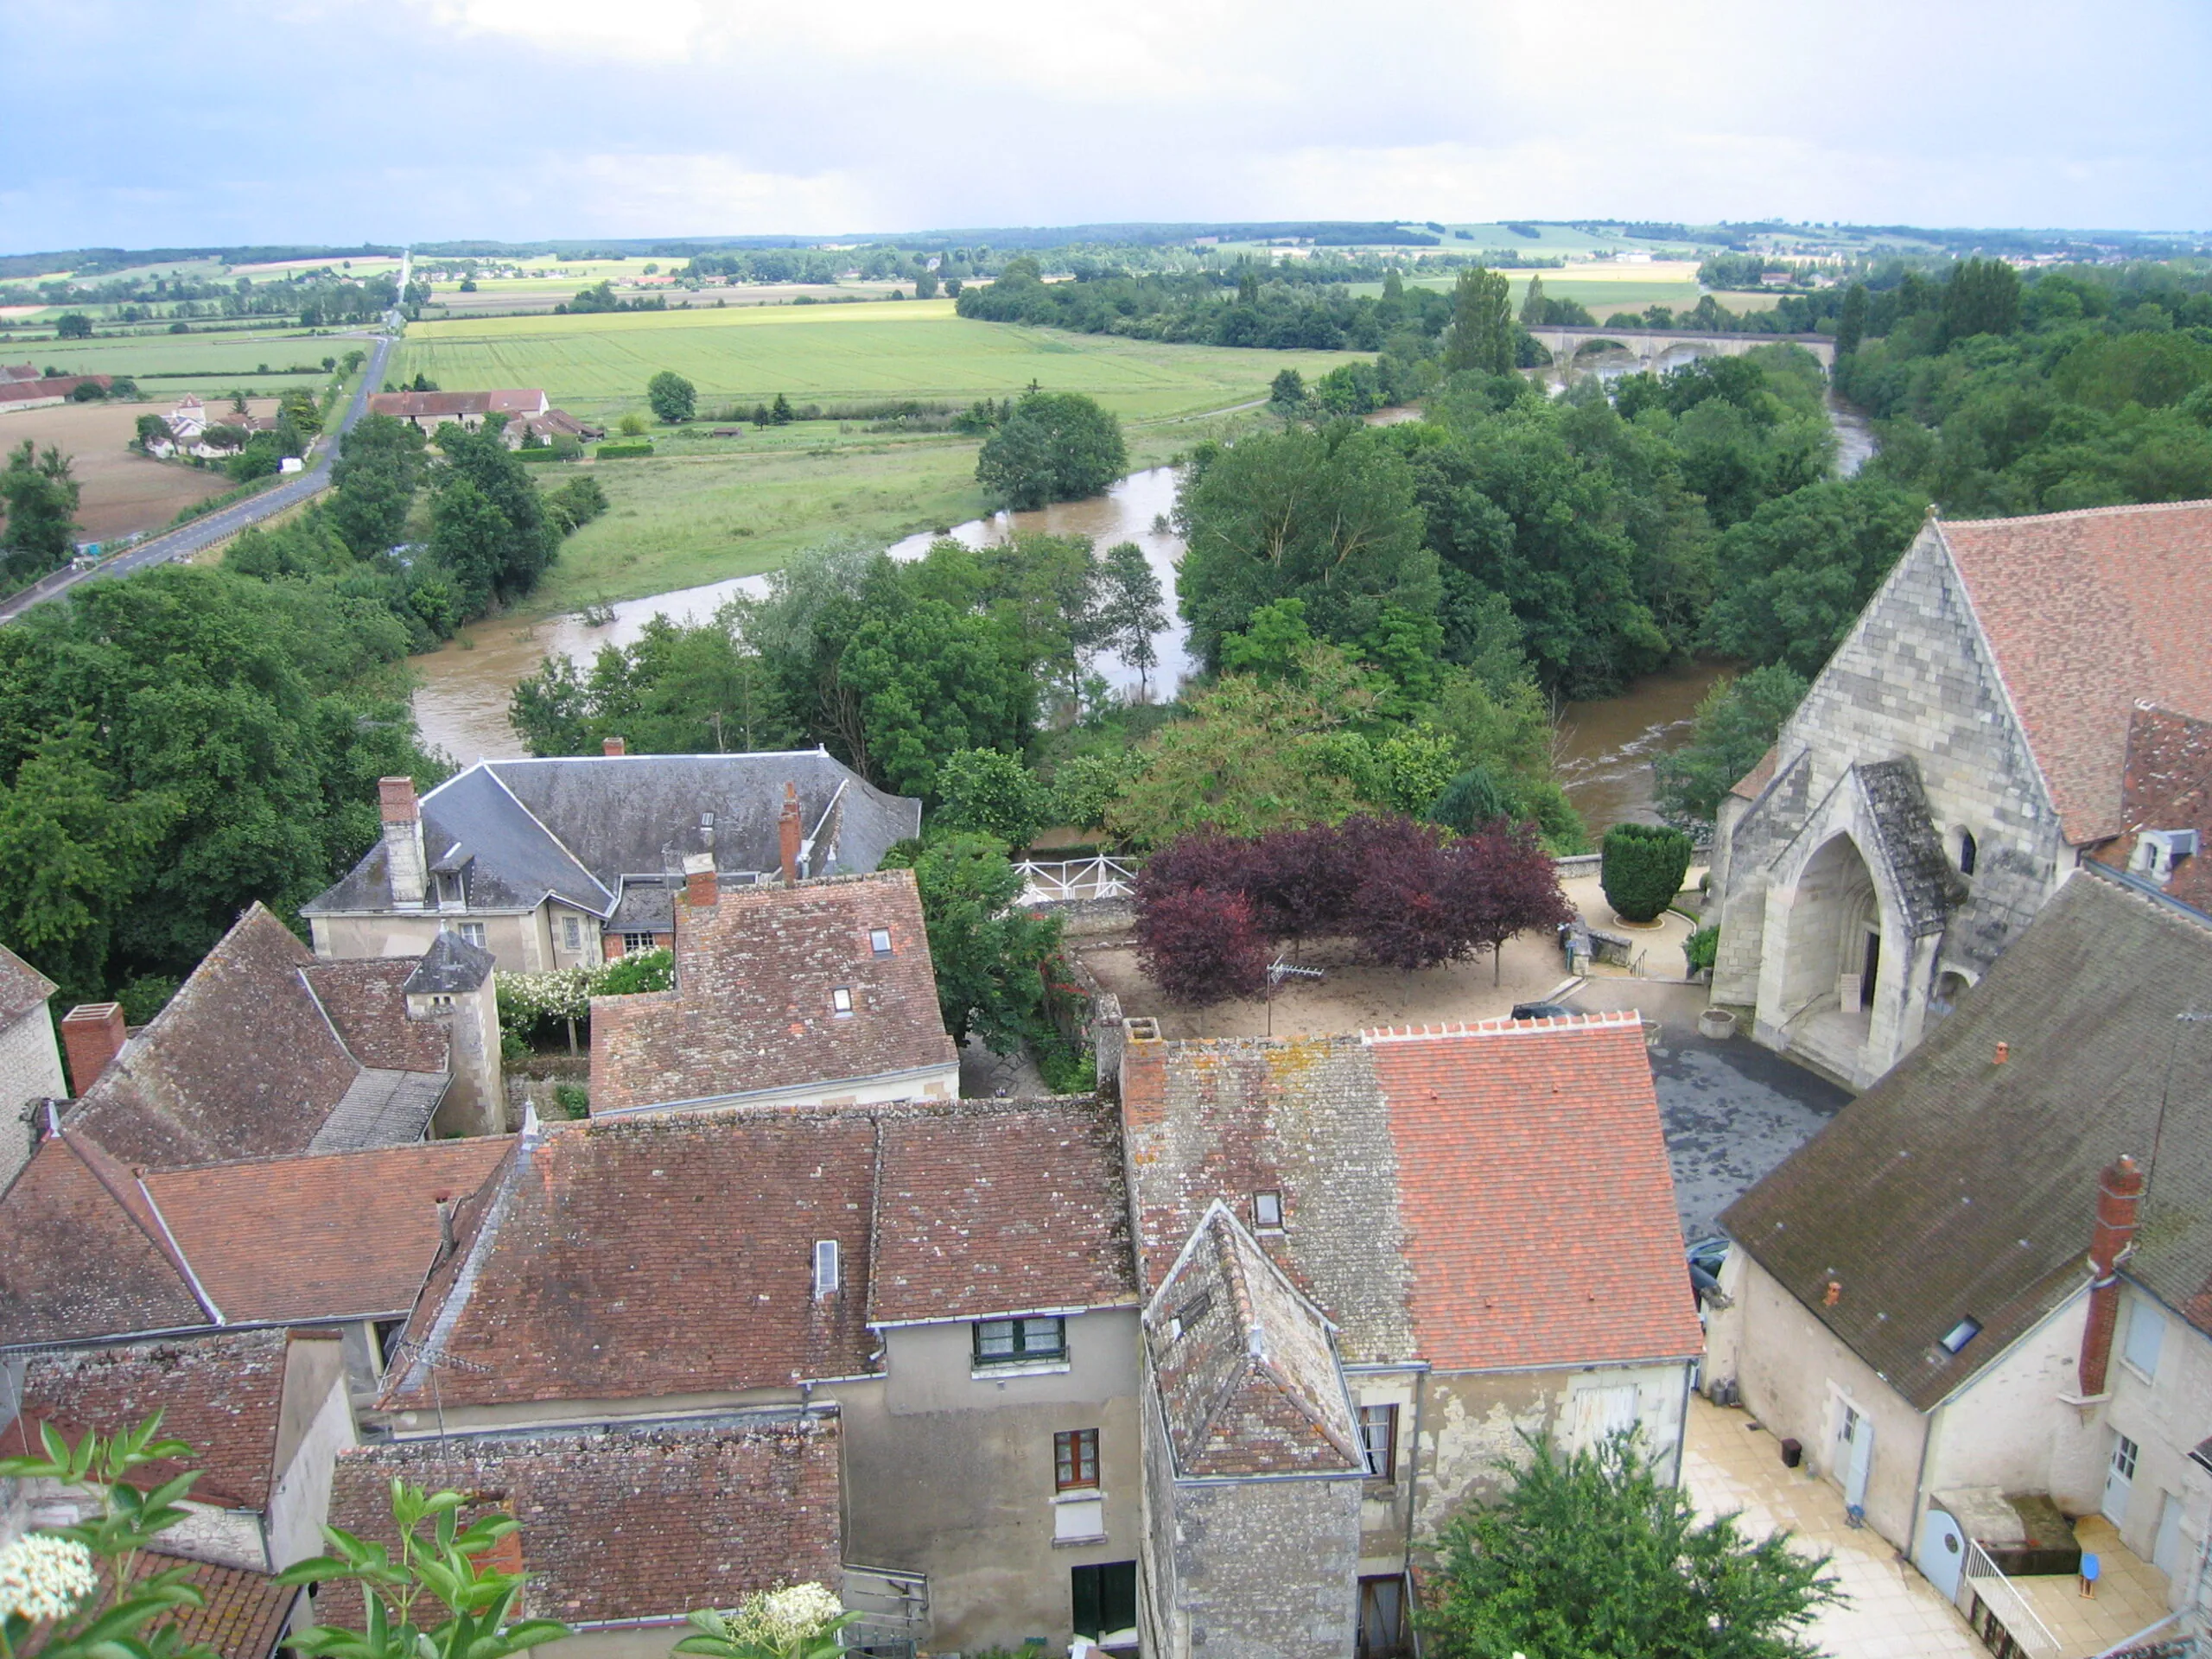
point(1542, 1011)
point(1705, 1256)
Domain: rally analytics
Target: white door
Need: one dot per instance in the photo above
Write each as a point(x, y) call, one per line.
point(1861, 1463)
point(2119, 1479)
point(1942, 1552)
point(1598, 1413)
point(2165, 1555)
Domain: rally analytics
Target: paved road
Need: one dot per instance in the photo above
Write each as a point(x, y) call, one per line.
point(206, 531)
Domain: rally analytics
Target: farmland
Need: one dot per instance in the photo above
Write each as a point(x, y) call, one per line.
point(599, 365)
point(150, 356)
point(121, 491)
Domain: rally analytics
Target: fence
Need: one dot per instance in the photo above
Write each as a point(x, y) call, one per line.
point(2007, 1626)
point(893, 1609)
point(1070, 879)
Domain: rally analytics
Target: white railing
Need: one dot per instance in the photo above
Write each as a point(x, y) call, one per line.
point(1996, 1593)
point(1076, 877)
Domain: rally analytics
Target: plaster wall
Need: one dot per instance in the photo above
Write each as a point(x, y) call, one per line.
point(2009, 1428)
point(313, 1425)
point(520, 943)
point(475, 1101)
point(2166, 1414)
point(30, 1068)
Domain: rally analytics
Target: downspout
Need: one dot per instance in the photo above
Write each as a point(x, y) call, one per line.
point(1412, 1491)
point(1682, 1420)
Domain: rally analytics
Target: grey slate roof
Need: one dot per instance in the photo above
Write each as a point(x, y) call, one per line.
point(1958, 1186)
point(575, 827)
point(451, 964)
point(382, 1109)
point(1907, 842)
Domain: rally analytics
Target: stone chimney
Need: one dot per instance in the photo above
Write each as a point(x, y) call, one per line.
point(701, 890)
point(403, 841)
point(93, 1034)
point(789, 833)
point(613, 746)
point(2120, 1196)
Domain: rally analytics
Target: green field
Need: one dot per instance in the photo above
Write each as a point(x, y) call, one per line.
point(146, 355)
point(599, 365)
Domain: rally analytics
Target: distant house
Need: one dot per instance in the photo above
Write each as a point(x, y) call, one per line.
point(1985, 1290)
point(30, 1059)
point(559, 863)
point(265, 1051)
point(35, 390)
point(820, 993)
point(190, 426)
point(525, 411)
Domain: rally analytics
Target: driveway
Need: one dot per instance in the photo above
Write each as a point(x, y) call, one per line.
point(1732, 1109)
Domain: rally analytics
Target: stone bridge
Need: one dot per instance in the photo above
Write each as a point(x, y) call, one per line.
point(1653, 347)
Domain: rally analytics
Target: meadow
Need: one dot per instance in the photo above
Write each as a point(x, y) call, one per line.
point(241, 355)
point(597, 364)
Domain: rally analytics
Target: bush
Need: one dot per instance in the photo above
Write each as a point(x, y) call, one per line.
point(622, 451)
point(1642, 869)
point(1702, 947)
point(1200, 946)
point(992, 792)
point(533, 456)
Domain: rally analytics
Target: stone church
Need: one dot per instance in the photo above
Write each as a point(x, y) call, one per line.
point(2021, 695)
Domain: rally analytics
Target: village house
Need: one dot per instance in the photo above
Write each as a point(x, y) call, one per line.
point(1372, 1264)
point(576, 860)
point(30, 1059)
point(193, 433)
point(819, 994)
point(265, 1050)
point(428, 410)
point(2020, 695)
point(23, 386)
point(1981, 1299)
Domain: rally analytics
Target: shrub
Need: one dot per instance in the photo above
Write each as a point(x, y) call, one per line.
point(622, 451)
point(1202, 946)
point(1642, 869)
point(1702, 948)
point(536, 455)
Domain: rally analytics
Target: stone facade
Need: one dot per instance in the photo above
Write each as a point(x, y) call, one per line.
point(1804, 872)
point(30, 1070)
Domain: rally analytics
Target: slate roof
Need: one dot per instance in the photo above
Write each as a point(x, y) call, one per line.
point(1905, 839)
point(2086, 612)
point(248, 1059)
point(1957, 1186)
point(451, 965)
point(23, 987)
point(222, 1394)
point(1001, 1207)
point(1479, 1197)
point(575, 827)
point(632, 1524)
point(1247, 1379)
point(381, 1109)
point(752, 1010)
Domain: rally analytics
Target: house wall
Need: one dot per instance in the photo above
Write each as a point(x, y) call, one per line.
point(30, 1068)
point(1793, 1372)
point(520, 943)
point(476, 1100)
point(1264, 1569)
point(2009, 1428)
point(313, 1425)
point(948, 1471)
point(2165, 1413)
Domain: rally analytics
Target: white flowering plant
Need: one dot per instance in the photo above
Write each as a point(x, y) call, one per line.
point(439, 1568)
point(797, 1621)
point(76, 1593)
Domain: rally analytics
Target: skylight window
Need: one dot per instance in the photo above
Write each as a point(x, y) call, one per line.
point(841, 999)
point(1960, 1334)
point(825, 1266)
point(879, 940)
point(1266, 1210)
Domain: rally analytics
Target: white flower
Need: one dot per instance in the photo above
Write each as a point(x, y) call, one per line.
point(44, 1578)
point(782, 1619)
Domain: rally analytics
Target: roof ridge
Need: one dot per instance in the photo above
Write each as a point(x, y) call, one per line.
point(2081, 512)
point(426, 1149)
point(105, 1168)
point(1593, 1019)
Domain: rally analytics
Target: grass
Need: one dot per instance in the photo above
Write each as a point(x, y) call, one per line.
point(153, 354)
point(599, 365)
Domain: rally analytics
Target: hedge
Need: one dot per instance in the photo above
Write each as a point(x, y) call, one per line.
point(621, 451)
point(544, 453)
point(1641, 869)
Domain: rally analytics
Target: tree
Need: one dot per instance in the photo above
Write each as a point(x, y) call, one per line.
point(1851, 322)
point(1736, 722)
point(152, 429)
point(73, 325)
point(673, 398)
point(1982, 297)
point(1287, 393)
point(1532, 304)
point(1641, 869)
point(781, 413)
point(924, 682)
point(989, 955)
point(1055, 447)
point(380, 466)
point(991, 792)
point(1596, 1556)
point(1202, 946)
point(1130, 614)
point(1482, 338)
point(40, 499)
point(1500, 883)
point(497, 553)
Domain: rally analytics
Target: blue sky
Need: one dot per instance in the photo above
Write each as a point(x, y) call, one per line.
point(219, 121)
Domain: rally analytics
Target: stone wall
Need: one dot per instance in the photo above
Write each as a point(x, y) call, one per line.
point(1266, 1569)
point(30, 1070)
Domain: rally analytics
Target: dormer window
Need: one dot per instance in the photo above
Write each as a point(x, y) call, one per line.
point(841, 1001)
point(879, 941)
point(1960, 1334)
point(452, 895)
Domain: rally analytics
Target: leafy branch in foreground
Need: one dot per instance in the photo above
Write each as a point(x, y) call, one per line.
point(800, 1621)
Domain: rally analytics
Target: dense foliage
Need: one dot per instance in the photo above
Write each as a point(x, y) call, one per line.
point(1736, 722)
point(1051, 447)
point(38, 506)
point(991, 958)
point(1640, 868)
point(1599, 1556)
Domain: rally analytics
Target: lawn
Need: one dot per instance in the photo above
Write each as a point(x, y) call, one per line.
point(598, 364)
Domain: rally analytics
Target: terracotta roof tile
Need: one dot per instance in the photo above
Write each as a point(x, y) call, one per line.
point(631, 1525)
point(1536, 1194)
point(752, 1010)
point(2088, 613)
point(2168, 786)
point(1759, 776)
point(366, 1002)
point(244, 1614)
point(995, 1208)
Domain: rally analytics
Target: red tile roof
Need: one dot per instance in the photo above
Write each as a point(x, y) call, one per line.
point(752, 1010)
point(244, 1614)
point(995, 1207)
point(1534, 1191)
point(221, 1395)
point(365, 1003)
point(431, 405)
point(625, 1525)
point(2088, 612)
point(1761, 775)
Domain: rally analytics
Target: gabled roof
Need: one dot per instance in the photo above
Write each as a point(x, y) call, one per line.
point(628, 1525)
point(997, 1207)
point(221, 1395)
point(2086, 612)
point(430, 405)
point(754, 1011)
point(1906, 842)
point(1958, 1186)
point(1247, 1382)
point(248, 1059)
point(23, 987)
point(451, 965)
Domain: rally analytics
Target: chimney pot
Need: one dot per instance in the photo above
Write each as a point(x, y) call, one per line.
point(701, 890)
point(788, 834)
point(396, 800)
point(2003, 1053)
point(1834, 1294)
point(93, 1034)
point(614, 745)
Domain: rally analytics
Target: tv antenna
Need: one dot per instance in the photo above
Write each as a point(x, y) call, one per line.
point(434, 1360)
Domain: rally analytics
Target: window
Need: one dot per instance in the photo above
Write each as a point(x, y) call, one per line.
point(825, 1266)
point(634, 943)
point(473, 933)
point(450, 896)
point(2125, 1451)
point(1189, 1314)
point(572, 933)
point(1960, 1334)
point(1075, 1459)
point(2146, 1333)
point(1266, 1210)
point(1379, 1437)
point(841, 1001)
point(1966, 852)
point(879, 940)
point(1019, 1342)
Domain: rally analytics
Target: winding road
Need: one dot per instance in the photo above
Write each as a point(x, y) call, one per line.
point(228, 521)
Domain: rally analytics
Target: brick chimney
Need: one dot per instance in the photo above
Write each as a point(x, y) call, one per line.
point(94, 1034)
point(2120, 1196)
point(403, 841)
point(701, 891)
point(613, 746)
point(789, 833)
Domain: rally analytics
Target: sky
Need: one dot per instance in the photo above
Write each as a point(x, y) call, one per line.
point(215, 122)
